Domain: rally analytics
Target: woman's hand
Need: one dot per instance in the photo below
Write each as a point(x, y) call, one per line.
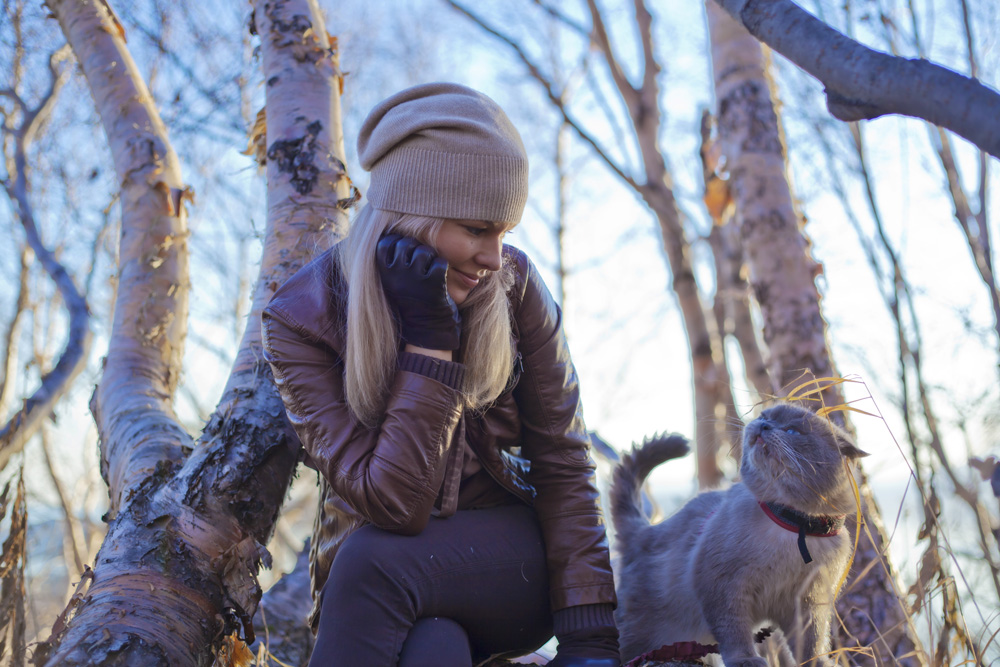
point(414, 280)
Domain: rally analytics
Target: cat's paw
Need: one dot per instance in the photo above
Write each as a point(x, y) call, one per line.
point(748, 661)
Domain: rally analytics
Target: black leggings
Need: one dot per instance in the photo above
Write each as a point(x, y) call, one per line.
point(468, 587)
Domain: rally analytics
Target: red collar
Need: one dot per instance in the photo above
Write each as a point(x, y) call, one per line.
point(793, 520)
point(804, 524)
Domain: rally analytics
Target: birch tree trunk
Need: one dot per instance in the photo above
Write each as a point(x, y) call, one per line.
point(782, 272)
point(177, 571)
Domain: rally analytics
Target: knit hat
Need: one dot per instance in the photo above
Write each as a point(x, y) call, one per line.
point(446, 151)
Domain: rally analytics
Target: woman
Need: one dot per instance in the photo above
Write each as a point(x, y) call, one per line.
point(423, 366)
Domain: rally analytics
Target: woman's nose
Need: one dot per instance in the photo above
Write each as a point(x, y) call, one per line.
point(489, 255)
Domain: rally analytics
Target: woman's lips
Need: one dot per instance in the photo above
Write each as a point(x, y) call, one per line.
point(466, 279)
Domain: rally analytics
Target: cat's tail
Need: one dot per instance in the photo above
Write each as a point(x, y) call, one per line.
point(626, 508)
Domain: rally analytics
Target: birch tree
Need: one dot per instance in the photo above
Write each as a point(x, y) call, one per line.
point(177, 571)
point(872, 612)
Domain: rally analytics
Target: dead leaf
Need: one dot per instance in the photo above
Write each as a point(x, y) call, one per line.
point(233, 653)
point(986, 467)
point(257, 140)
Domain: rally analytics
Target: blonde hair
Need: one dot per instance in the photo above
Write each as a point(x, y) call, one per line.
point(370, 357)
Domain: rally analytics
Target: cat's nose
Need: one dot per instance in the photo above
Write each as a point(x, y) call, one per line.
point(765, 425)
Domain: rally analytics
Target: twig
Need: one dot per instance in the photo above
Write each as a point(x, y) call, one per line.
point(550, 91)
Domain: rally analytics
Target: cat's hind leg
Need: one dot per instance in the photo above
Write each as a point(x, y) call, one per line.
point(735, 637)
point(808, 636)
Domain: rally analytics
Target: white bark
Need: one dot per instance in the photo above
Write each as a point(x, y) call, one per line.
point(177, 571)
point(133, 402)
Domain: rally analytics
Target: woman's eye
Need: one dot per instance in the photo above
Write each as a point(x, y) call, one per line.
point(475, 231)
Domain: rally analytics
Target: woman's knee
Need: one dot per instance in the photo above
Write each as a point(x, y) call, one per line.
point(436, 641)
point(367, 560)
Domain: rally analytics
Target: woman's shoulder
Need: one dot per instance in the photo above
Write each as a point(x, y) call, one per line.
point(314, 300)
point(531, 302)
point(523, 269)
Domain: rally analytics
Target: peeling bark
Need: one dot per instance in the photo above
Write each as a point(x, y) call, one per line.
point(12, 561)
point(133, 402)
point(177, 571)
point(873, 612)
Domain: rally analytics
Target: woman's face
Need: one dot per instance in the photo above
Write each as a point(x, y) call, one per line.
point(472, 249)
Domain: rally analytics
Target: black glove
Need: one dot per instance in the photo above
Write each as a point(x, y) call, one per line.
point(588, 649)
point(414, 280)
point(587, 637)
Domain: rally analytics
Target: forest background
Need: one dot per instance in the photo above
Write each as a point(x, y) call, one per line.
point(897, 213)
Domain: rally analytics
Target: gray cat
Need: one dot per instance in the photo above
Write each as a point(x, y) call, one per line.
point(767, 551)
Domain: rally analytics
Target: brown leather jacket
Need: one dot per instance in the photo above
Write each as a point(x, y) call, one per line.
point(390, 476)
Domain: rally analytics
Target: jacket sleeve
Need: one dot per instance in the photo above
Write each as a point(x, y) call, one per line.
point(390, 475)
point(555, 441)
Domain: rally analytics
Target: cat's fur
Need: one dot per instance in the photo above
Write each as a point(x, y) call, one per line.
point(720, 569)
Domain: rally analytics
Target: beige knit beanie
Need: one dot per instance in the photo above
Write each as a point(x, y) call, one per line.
point(446, 151)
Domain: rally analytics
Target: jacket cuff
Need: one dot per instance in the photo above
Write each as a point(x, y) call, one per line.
point(450, 373)
point(584, 616)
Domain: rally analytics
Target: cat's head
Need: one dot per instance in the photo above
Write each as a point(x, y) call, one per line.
point(793, 457)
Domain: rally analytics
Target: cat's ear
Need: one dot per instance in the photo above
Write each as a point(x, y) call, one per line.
point(848, 448)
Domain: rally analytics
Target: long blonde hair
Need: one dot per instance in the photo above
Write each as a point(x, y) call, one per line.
point(370, 358)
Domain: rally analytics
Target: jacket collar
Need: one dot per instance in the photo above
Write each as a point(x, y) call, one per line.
point(823, 525)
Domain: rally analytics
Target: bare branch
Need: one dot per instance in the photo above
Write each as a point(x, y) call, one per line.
point(629, 94)
point(563, 19)
point(651, 68)
point(862, 83)
point(35, 118)
point(74, 542)
point(55, 383)
point(13, 334)
point(551, 92)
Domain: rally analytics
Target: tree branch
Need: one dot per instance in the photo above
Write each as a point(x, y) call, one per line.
point(551, 93)
point(9, 364)
point(133, 404)
point(651, 68)
point(54, 384)
point(600, 36)
point(578, 28)
point(862, 83)
point(177, 571)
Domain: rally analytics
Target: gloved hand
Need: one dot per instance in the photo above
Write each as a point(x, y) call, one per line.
point(587, 637)
point(414, 280)
point(563, 660)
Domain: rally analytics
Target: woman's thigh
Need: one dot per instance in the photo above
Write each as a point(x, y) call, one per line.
point(485, 569)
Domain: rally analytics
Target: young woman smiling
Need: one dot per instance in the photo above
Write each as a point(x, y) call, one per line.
point(423, 366)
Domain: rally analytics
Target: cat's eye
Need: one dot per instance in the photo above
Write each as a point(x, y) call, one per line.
point(792, 430)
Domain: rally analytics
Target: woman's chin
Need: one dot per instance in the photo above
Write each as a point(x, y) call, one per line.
point(458, 294)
